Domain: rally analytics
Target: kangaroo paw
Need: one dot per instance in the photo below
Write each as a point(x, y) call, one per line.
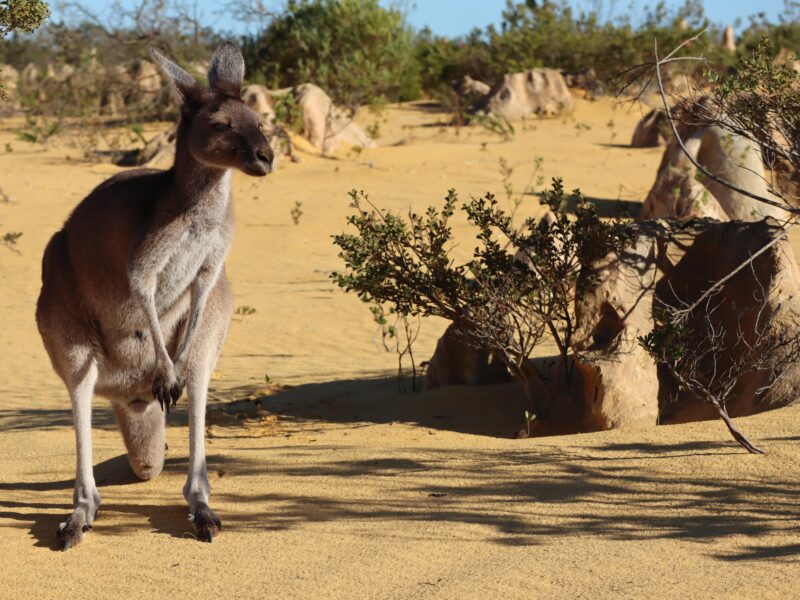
point(70, 532)
point(206, 524)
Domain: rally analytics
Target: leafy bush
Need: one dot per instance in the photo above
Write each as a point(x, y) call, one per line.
point(517, 290)
point(785, 34)
point(443, 61)
point(22, 15)
point(356, 50)
point(551, 34)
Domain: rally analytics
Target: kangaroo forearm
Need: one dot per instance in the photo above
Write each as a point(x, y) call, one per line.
point(201, 288)
point(196, 312)
point(148, 304)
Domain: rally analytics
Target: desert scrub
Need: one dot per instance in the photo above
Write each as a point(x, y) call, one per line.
point(356, 50)
point(516, 291)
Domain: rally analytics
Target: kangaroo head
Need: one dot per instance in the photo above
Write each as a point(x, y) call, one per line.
point(221, 130)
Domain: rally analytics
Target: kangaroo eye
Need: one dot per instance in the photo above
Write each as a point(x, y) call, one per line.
point(221, 126)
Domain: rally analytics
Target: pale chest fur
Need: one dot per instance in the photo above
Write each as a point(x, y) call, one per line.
point(201, 243)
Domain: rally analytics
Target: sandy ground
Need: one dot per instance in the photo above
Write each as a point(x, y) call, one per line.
point(332, 484)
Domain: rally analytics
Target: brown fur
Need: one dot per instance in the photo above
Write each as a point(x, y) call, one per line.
point(135, 302)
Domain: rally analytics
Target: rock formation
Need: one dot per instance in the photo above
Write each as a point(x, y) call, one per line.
point(585, 81)
point(652, 130)
point(259, 99)
point(456, 362)
point(146, 83)
point(620, 381)
point(715, 252)
point(729, 40)
point(538, 92)
point(731, 157)
point(325, 125)
point(471, 91)
point(9, 79)
point(676, 194)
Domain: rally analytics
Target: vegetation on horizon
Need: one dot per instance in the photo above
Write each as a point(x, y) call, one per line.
point(363, 53)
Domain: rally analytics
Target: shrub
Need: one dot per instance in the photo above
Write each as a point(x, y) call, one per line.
point(517, 290)
point(551, 34)
point(356, 50)
point(785, 34)
point(444, 61)
point(22, 15)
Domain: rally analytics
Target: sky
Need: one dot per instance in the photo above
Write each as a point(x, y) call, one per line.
point(455, 17)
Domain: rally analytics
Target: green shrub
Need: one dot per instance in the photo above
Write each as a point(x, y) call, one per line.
point(551, 34)
point(22, 15)
point(516, 292)
point(783, 35)
point(357, 51)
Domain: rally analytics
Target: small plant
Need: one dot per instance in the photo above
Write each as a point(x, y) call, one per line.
point(529, 418)
point(499, 126)
point(9, 240)
point(39, 129)
point(398, 337)
point(581, 127)
point(244, 310)
point(513, 198)
point(296, 212)
point(374, 129)
point(612, 128)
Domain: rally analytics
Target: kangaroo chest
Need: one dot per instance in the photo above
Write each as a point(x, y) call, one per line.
point(200, 244)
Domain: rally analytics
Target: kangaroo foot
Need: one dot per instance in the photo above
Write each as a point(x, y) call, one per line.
point(70, 532)
point(206, 524)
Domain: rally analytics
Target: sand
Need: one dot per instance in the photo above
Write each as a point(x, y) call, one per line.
point(332, 484)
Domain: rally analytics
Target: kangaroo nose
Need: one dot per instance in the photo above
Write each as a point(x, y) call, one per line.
point(265, 156)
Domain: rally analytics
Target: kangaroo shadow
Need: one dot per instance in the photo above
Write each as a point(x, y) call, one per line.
point(44, 518)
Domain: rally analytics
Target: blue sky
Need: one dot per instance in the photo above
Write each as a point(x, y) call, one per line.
point(454, 17)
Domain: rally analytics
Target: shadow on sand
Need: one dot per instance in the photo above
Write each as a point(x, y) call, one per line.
point(165, 516)
point(522, 493)
point(492, 410)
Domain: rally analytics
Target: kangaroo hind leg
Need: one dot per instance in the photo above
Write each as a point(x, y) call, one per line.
point(85, 498)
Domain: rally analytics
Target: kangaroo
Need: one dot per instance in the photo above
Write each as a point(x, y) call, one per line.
point(135, 303)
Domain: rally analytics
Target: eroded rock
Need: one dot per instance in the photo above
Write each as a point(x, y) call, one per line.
point(676, 194)
point(538, 92)
point(456, 362)
point(620, 382)
point(774, 276)
point(259, 99)
point(652, 130)
point(9, 80)
point(733, 158)
point(325, 125)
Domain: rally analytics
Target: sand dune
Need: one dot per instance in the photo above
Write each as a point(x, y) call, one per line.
point(332, 484)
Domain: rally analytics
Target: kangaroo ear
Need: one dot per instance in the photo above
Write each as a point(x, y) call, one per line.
point(181, 83)
point(226, 72)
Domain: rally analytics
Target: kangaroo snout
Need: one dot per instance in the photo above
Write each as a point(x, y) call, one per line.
point(262, 163)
